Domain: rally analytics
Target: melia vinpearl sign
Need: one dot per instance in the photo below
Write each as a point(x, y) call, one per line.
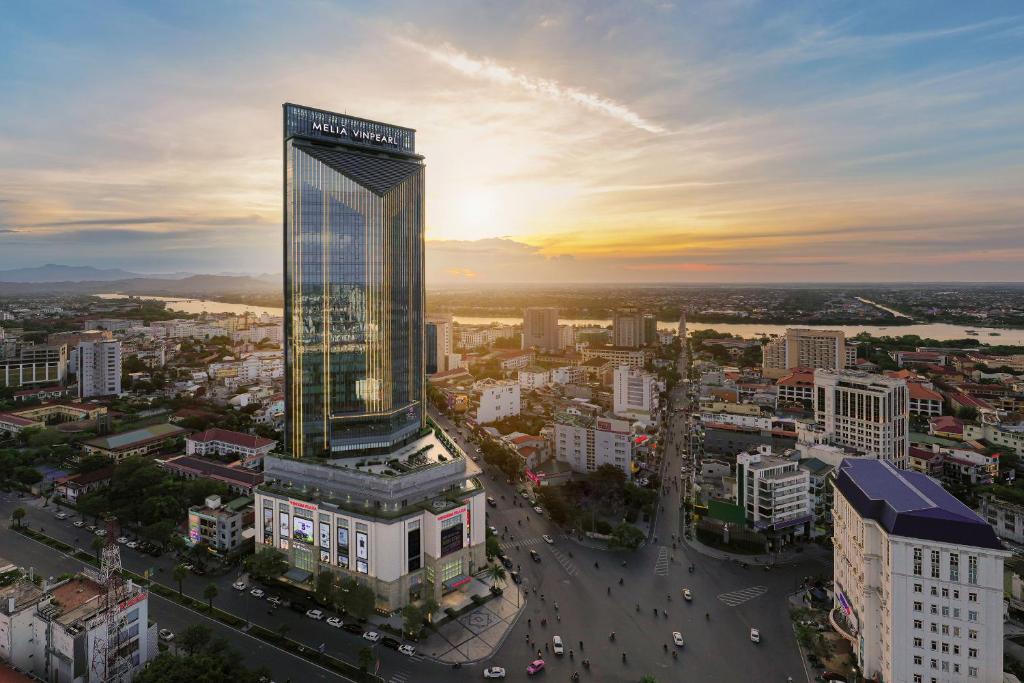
point(315, 123)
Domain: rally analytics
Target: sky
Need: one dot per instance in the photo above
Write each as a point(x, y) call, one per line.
point(637, 141)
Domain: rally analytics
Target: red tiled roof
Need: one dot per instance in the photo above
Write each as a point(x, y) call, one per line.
point(797, 378)
point(16, 420)
point(88, 477)
point(233, 438)
point(922, 453)
point(947, 423)
point(922, 393)
point(214, 470)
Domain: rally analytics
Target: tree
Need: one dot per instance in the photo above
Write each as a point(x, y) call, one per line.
point(97, 545)
point(194, 638)
point(648, 679)
point(266, 564)
point(17, 516)
point(325, 587)
point(553, 500)
point(210, 592)
point(967, 413)
point(496, 573)
point(91, 463)
point(178, 574)
point(27, 475)
point(627, 536)
point(493, 546)
point(356, 599)
point(365, 658)
point(412, 619)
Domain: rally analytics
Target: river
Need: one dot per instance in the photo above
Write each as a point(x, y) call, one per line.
point(939, 331)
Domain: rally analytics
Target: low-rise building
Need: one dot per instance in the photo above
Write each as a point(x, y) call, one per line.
point(136, 442)
point(924, 400)
point(248, 448)
point(240, 480)
point(534, 377)
point(775, 494)
point(618, 355)
point(222, 526)
point(1005, 517)
point(1006, 435)
point(586, 443)
point(74, 486)
point(498, 400)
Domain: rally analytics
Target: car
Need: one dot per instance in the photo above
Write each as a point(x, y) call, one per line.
point(490, 501)
point(121, 540)
point(166, 635)
point(478, 450)
point(548, 539)
point(132, 544)
point(493, 530)
point(62, 515)
point(539, 510)
point(475, 458)
point(372, 636)
point(515, 577)
point(534, 555)
point(556, 645)
point(274, 600)
point(388, 641)
point(536, 666)
point(90, 528)
point(78, 523)
point(257, 593)
point(314, 614)
point(526, 496)
point(198, 571)
point(755, 635)
point(101, 532)
point(238, 585)
point(407, 650)
point(505, 560)
point(354, 629)
point(494, 672)
point(335, 622)
point(189, 566)
point(677, 638)
point(687, 595)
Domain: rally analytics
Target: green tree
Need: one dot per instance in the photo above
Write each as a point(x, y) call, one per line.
point(27, 475)
point(178, 574)
point(648, 679)
point(356, 599)
point(91, 463)
point(266, 564)
point(97, 545)
point(194, 638)
point(365, 658)
point(210, 592)
point(493, 546)
point(497, 574)
point(625, 535)
point(412, 619)
point(17, 516)
point(324, 590)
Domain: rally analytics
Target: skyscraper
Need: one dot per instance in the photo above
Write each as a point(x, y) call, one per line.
point(806, 348)
point(540, 329)
point(369, 488)
point(99, 368)
point(439, 346)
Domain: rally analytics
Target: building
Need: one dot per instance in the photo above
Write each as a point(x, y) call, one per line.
point(438, 344)
point(498, 400)
point(775, 494)
point(634, 392)
point(238, 479)
point(806, 348)
point(617, 355)
point(224, 527)
point(540, 329)
point(63, 632)
point(371, 490)
point(568, 374)
point(1005, 517)
point(99, 368)
point(73, 486)
point(908, 358)
point(13, 424)
point(924, 400)
point(1007, 435)
point(534, 377)
point(918, 578)
point(35, 365)
point(73, 339)
point(796, 387)
point(566, 337)
point(248, 448)
point(136, 442)
point(586, 443)
point(633, 329)
point(865, 412)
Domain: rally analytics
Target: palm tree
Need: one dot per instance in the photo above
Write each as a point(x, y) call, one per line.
point(97, 545)
point(17, 516)
point(497, 574)
point(210, 592)
point(179, 575)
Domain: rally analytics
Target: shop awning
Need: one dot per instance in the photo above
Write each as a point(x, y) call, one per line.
point(457, 581)
point(297, 575)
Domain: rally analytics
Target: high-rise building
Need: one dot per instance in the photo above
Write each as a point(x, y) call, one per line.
point(438, 346)
point(806, 348)
point(566, 337)
point(99, 368)
point(34, 365)
point(540, 329)
point(634, 391)
point(774, 493)
point(631, 328)
point(586, 443)
point(865, 412)
point(918, 578)
point(370, 489)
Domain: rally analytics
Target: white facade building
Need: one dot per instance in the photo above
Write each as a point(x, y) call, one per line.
point(585, 443)
point(534, 378)
point(99, 368)
point(634, 391)
point(498, 400)
point(865, 412)
point(775, 493)
point(569, 374)
point(918, 578)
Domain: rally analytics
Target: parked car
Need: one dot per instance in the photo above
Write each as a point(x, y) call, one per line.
point(91, 528)
point(166, 635)
point(121, 540)
point(274, 600)
point(687, 595)
point(677, 638)
point(388, 641)
point(515, 577)
point(494, 672)
point(354, 629)
point(78, 523)
point(101, 532)
point(257, 593)
point(536, 666)
point(334, 621)
point(238, 585)
point(556, 645)
point(314, 614)
point(755, 635)
point(372, 636)
point(493, 530)
point(539, 510)
point(62, 515)
point(490, 501)
point(132, 544)
point(505, 561)
point(534, 555)
point(407, 650)
point(548, 539)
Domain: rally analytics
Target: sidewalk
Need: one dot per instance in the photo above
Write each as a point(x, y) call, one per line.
point(780, 558)
point(479, 633)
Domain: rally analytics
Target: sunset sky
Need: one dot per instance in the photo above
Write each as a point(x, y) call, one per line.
point(726, 141)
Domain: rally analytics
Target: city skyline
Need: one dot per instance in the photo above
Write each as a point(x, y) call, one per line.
point(660, 142)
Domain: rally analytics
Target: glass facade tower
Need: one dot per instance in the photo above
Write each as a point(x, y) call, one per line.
point(353, 285)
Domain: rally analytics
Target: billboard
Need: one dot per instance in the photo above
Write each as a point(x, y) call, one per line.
point(452, 539)
point(268, 525)
point(325, 535)
point(302, 529)
point(282, 519)
point(193, 528)
point(362, 553)
point(342, 547)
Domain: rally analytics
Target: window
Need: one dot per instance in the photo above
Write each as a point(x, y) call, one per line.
point(933, 663)
point(945, 592)
point(917, 588)
point(972, 634)
point(956, 594)
point(934, 628)
point(917, 606)
point(917, 561)
point(956, 612)
point(956, 649)
point(934, 609)
point(972, 569)
point(934, 591)
point(917, 660)
point(972, 597)
point(935, 645)
point(935, 564)
point(972, 615)
point(945, 648)
point(917, 642)
point(954, 567)
point(972, 671)
point(917, 678)
point(917, 623)
point(972, 652)
point(945, 629)
point(945, 611)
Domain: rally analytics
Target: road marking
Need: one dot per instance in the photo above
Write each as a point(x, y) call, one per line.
point(661, 564)
point(739, 597)
point(568, 565)
point(521, 542)
point(399, 677)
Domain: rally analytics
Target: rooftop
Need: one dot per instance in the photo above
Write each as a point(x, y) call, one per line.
point(212, 469)
point(137, 437)
point(911, 504)
point(230, 437)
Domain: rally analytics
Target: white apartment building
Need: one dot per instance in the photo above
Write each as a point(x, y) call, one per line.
point(540, 329)
point(634, 391)
point(99, 368)
point(534, 378)
point(223, 442)
point(586, 443)
point(498, 400)
point(439, 343)
point(1006, 435)
point(569, 374)
point(918, 578)
point(806, 348)
point(865, 412)
point(774, 492)
point(635, 358)
point(566, 336)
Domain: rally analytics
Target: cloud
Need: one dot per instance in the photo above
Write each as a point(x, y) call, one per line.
point(488, 70)
point(143, 220)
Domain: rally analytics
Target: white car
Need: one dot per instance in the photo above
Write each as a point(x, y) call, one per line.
point(132, 544)
point(372, 636)
point(677, 638)
point(334, 621)
point(166, 635)
point(548, 539)
point(687, 595)
point(407, 650)
point(556, 645)
point(62, 515)
point(78, 523)
point(274, 600)
point(494, 672)
point(101, 532)
point(525, 495)
point(256, 593)
point(539, 510)
point(121, 540)
point(315, 614)
point(755, 635)
point(238, 585)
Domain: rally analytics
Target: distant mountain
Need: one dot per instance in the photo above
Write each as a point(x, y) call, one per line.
point(193, 286)
point(52, 272)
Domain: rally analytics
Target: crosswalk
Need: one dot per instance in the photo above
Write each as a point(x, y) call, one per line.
point(399, 677)
point(521, 542)
point(661, 564)
point(738, 597)
point(567, 564)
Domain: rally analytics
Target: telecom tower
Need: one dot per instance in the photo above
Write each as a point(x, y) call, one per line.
point(106, 659)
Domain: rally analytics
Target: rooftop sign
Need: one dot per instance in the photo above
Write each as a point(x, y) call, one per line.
point(316, 123)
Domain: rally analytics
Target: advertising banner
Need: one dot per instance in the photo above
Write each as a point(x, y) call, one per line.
point(302, 530)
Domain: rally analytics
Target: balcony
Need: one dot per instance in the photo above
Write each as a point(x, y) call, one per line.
point(842, 625)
